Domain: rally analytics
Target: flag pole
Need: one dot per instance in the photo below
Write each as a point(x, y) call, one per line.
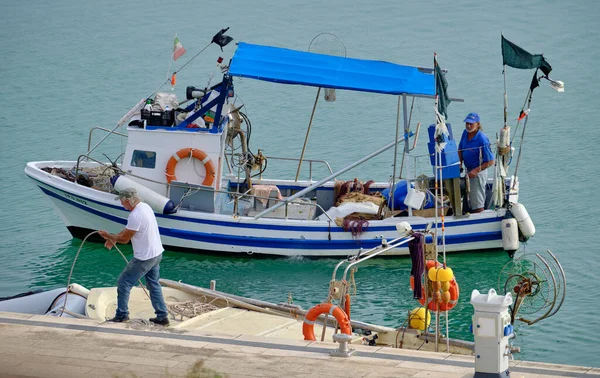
point(505, 94)
point(530, 96)
point(170, 59)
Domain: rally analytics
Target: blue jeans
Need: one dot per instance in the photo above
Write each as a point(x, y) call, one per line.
point(135, 270)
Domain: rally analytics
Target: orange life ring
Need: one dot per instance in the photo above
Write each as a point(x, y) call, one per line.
point(432, 305)
point(309, 320)
point(191, 153)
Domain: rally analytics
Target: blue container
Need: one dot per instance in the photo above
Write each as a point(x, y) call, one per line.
point(449, 153)
point(431, 131)
point(451, 171)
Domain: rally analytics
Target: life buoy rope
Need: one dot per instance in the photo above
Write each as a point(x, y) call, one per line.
point(309, 320)
point(433, 303)
point(191, 153)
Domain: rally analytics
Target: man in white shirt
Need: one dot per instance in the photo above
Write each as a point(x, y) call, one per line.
point(142, 231)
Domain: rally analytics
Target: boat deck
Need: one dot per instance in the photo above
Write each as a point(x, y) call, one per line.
point(43, 346)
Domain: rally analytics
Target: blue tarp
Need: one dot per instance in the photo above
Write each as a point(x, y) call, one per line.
point(304, 68)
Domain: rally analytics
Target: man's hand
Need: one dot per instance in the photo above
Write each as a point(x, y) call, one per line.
point(474, 172)
point(104, 234)
point(108, 244)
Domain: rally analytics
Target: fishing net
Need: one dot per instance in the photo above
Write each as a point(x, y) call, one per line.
point(328, 44)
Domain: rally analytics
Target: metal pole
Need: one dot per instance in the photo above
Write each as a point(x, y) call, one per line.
point(522, 141)
point(406, 146)
point(121, 122)
point(307, 132)
point(392, 189)
point(322, 181)
point(505, 95)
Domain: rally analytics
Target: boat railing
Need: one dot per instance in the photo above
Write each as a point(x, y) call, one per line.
point(309, 161)
point(238, 196)
point(366, 255)
point(88, 158)
point(89, 149)
point(331, 176)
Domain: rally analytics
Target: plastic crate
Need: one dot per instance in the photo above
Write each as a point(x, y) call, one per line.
point(158, 118)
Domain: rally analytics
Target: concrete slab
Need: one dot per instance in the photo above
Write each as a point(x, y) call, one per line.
point(72, 349)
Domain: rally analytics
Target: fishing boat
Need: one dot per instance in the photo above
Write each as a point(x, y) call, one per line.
point(189, 160)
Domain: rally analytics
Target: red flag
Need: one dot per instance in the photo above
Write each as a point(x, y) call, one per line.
point(178, 49)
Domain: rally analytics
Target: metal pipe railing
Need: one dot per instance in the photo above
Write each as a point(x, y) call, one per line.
point(103, 129)
point(322, 181)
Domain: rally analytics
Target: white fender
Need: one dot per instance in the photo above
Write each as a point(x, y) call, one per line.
point(157, 202)
point(79, 290)
point(523, 220)
point(510, 234)
point(504, 140)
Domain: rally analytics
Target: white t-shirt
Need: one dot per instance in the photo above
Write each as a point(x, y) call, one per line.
point(146, 240)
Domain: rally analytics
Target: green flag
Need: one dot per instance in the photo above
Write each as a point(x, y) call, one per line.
point(441, 87)
point(514, 56)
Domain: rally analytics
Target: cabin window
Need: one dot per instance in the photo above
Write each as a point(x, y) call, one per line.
point(143, 159)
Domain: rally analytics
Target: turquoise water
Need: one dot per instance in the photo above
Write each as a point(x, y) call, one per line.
point(67, 66)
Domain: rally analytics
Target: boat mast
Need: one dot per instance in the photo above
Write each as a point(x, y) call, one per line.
point(406, 147)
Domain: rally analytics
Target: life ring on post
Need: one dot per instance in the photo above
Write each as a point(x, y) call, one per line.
point(191, 153)
point(441, 304)
point(308, 327)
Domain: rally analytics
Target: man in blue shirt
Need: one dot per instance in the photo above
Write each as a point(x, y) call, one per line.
point(475, 152)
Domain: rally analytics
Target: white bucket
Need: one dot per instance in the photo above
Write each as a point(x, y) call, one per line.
point(414, 198)
point(510, 234)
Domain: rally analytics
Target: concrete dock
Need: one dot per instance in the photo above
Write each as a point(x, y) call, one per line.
point(43, 346)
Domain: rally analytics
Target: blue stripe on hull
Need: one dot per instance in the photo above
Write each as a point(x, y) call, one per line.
point(276, 243)
point(264, 242)
point(261, 226)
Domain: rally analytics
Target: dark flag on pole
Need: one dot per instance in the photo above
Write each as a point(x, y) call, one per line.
point(441, 87)
point(221, 39)
point(516, 57)
point(535, 82)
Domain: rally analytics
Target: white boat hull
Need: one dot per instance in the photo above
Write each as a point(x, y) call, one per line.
point(83, 210)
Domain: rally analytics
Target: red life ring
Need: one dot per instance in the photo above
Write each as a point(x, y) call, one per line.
point(432, 305)
point(191, 153)
point(309, 320)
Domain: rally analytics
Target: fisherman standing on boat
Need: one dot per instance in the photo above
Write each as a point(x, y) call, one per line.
point(142, 230)
point(475, 152)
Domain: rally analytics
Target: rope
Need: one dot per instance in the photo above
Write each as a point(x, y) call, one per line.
point(191, 308)
point(63, 309)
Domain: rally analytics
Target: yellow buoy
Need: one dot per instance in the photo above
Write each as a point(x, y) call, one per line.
point(417, 318)
point(445, 286)
point(446, 297)
point(432, 274)
point(445, 274)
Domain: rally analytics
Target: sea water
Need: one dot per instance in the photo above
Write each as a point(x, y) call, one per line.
point(68, 66)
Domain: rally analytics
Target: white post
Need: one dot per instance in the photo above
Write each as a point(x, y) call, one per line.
point(492, 330)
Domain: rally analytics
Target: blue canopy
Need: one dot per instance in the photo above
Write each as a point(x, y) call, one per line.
point(304, 68)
